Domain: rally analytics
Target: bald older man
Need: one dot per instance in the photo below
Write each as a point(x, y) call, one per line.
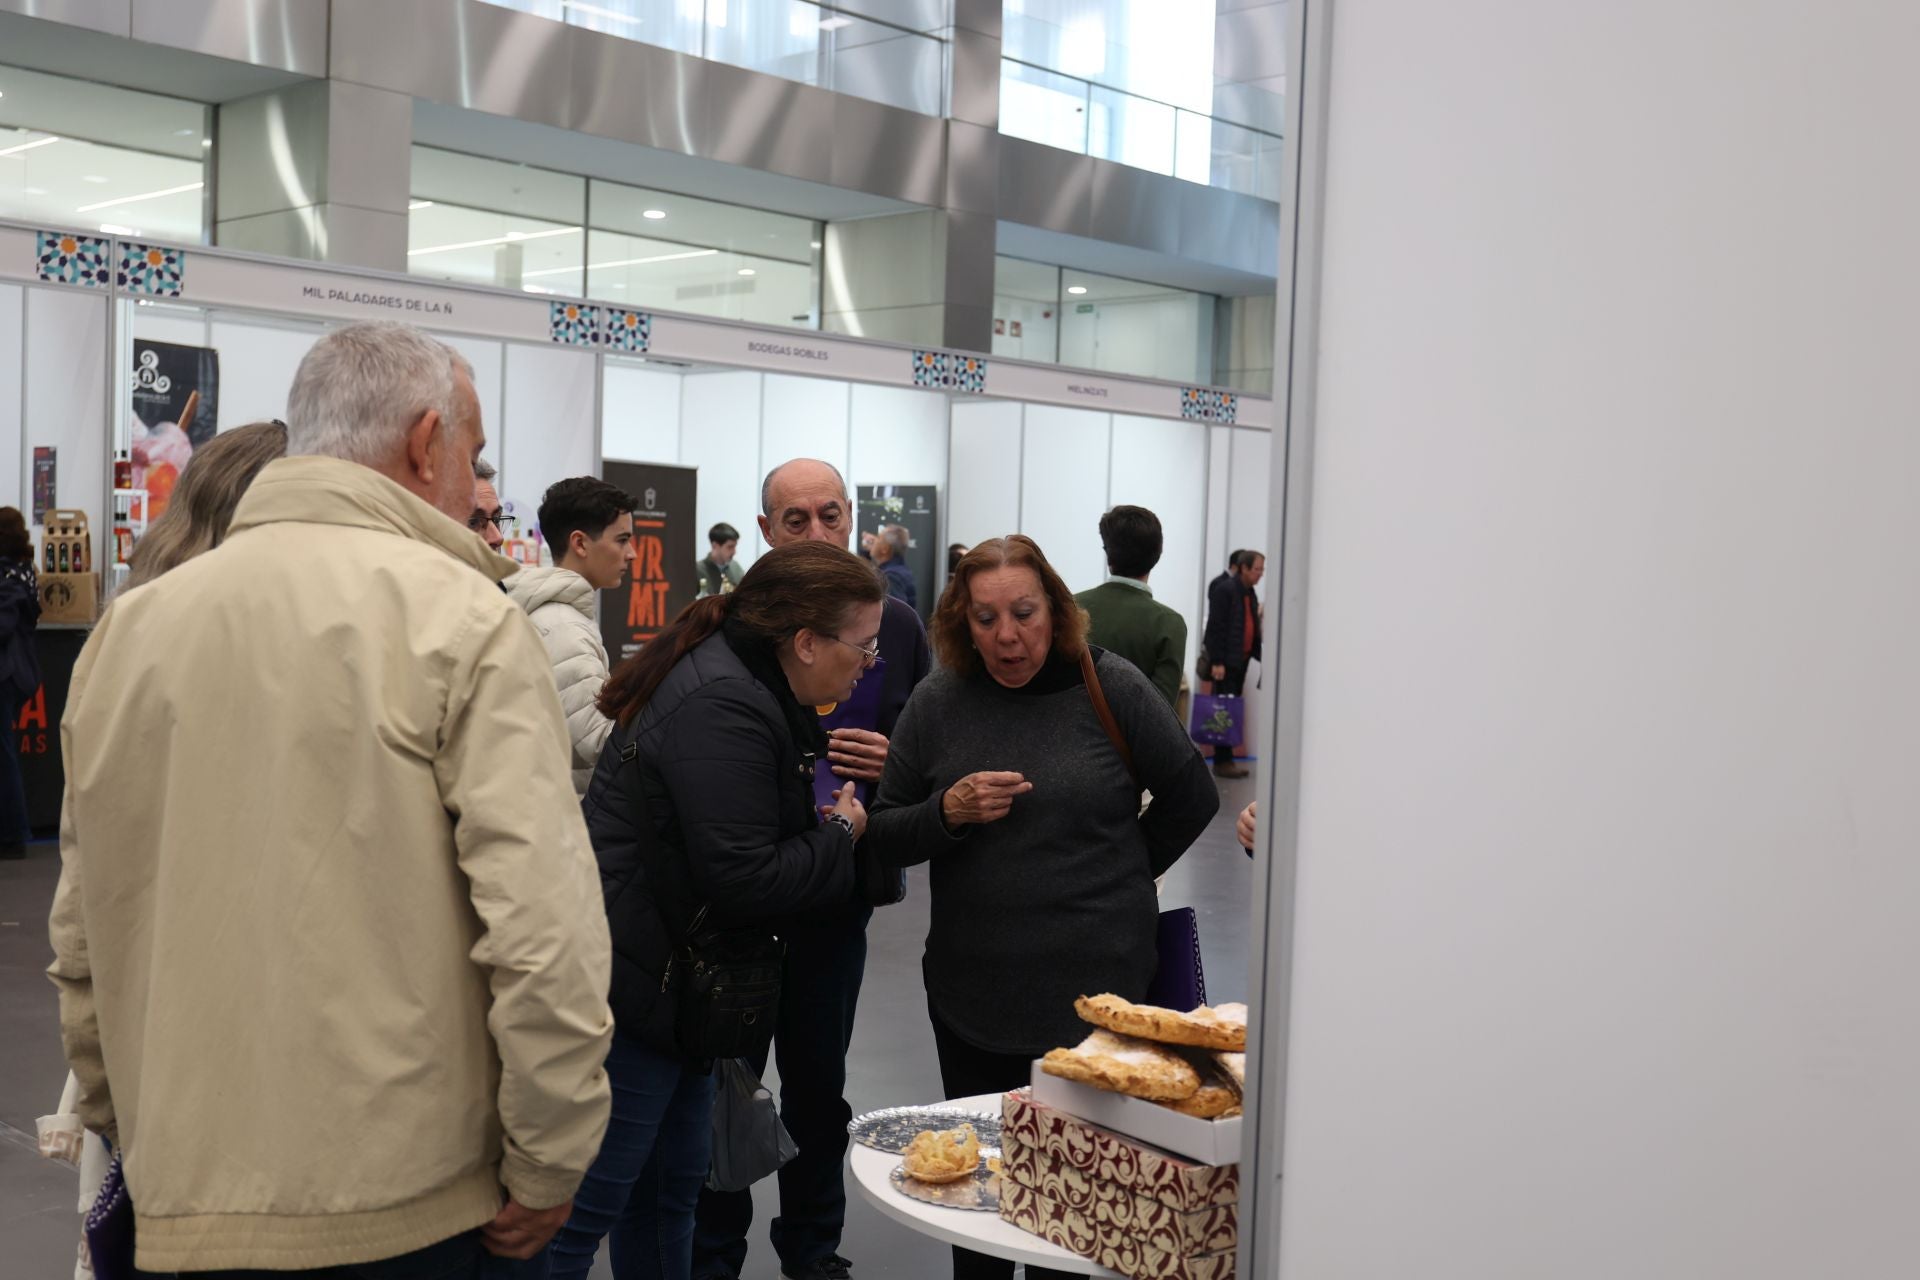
point(806, 500)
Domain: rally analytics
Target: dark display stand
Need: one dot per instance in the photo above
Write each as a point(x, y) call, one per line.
point(38, 730)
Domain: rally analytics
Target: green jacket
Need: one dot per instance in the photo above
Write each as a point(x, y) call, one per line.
point(1127, 620)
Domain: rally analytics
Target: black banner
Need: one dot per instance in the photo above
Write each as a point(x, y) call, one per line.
point(662, 580)
point(916, 508)
point(176, 406)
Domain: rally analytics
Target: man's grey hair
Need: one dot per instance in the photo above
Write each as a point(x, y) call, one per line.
point(766, 486)
point(896, 537)
point(362, 387)
point(483, 470)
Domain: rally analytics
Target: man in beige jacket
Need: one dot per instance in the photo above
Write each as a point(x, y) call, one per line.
point(329, 939)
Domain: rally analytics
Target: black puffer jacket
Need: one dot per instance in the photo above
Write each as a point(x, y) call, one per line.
point(711, 787)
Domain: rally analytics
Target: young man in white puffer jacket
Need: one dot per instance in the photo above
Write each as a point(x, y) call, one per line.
point(589, 525)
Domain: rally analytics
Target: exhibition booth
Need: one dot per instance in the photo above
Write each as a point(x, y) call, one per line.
point(117, 358)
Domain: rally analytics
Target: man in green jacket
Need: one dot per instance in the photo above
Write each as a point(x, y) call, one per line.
point(1126, 618)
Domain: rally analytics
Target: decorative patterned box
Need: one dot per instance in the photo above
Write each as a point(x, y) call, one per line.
point(1110, 1204)
point(1179, 1184)
point(1104, 1243)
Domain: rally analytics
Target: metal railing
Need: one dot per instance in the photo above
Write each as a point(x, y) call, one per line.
point(799, 40)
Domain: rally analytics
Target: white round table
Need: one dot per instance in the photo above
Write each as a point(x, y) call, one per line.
point(968, 1228)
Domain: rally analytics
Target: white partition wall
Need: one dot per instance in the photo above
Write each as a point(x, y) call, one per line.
point(488, 359)
point(15, 460)
point(640, 413)
point(550, 432)
point(65, 369)
point(899, 437)
point(984, 471)
point(1065, 460)
point(720, 434)
point(258, 358)
point(1607, 922)
point(801, 418)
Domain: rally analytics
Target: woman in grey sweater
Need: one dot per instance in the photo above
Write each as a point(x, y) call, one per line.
point(1001, 774)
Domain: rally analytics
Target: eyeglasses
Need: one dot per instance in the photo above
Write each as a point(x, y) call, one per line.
point(870, 652)
point(499, 520)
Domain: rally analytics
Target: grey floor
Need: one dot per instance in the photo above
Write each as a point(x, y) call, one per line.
point(892, 1062)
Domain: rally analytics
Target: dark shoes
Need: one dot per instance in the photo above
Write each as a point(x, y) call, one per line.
point(13, 850)
point(1230, 771)
point(831, 1267)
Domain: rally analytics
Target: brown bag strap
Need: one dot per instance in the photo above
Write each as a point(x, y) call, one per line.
point(1105, 712)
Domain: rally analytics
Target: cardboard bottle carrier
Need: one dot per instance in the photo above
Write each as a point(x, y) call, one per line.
point(69, 589)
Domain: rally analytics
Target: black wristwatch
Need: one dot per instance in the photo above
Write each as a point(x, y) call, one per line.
point(845, 823)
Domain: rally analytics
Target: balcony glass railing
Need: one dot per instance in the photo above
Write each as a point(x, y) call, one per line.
point(1079, 115)
point(816, 44)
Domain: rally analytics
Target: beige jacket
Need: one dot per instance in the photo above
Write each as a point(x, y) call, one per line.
point(329, 939)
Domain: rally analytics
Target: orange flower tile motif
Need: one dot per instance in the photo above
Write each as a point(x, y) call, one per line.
point(152, 269)
point(65, 258)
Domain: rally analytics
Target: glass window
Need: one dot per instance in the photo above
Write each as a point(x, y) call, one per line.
point(1043, 106)
point(1026, 310)
point(484, 221)
point(87, 157)
point(680, 253)
point(1127, 326)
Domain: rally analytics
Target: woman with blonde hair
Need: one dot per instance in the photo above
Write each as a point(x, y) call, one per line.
point(203, 504)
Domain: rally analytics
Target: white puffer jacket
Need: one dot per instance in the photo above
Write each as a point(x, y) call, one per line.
point(560, 602)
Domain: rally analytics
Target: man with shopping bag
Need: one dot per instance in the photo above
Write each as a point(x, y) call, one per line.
point(1233, 644)
point(328, 935)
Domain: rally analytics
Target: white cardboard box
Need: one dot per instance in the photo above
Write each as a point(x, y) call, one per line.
point(1208, 1141)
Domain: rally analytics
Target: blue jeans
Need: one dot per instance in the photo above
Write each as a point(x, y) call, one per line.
point(826, 959)
point(644, 1184)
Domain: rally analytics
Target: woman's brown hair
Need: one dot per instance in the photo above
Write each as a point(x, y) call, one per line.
point(953, 636)
point(809, 586)
point(210, 489)
point(15, 542)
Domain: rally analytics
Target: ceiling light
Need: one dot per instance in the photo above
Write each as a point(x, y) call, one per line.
point(206, 142)
point(183, 133)
point(835, 23)
point(115, 229)
point(744, 271)
point(512, 237)
point(653, 215)
point(93, 178)
point(1076, 289)
point(624, 262)
point(33, 191)
point(815, 245)
point(28, 146)
point(145, 195)
point(420, 204)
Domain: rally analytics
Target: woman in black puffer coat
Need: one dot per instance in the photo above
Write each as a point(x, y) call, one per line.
point(702, 808)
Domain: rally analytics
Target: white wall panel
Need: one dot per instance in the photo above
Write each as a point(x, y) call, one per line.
point(1608, 904)
point(547, 422)
point(802, 418)
point(1064, 493)
point(1162, 466)
point(166, 324)
point(1250, 493)
point(488, 359)
point(719, 432)
point(1219, 469)
point(640, 414)
point(14, 466)
point(257, 364)
point(66, 381)
point(899, 436)
point(984, 471)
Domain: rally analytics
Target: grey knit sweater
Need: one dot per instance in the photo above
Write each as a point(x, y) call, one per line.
point(1055, 900)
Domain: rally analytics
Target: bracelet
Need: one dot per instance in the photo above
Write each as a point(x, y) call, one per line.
point(845, 823)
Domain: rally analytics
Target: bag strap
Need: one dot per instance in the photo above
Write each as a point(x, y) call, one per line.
point(1105, 712)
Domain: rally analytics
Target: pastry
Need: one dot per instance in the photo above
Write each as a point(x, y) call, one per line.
point(942, 1155)
point(1122, 1064)
point(1235, 1066)
point(1212, 1102)
point(1204, 1028)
